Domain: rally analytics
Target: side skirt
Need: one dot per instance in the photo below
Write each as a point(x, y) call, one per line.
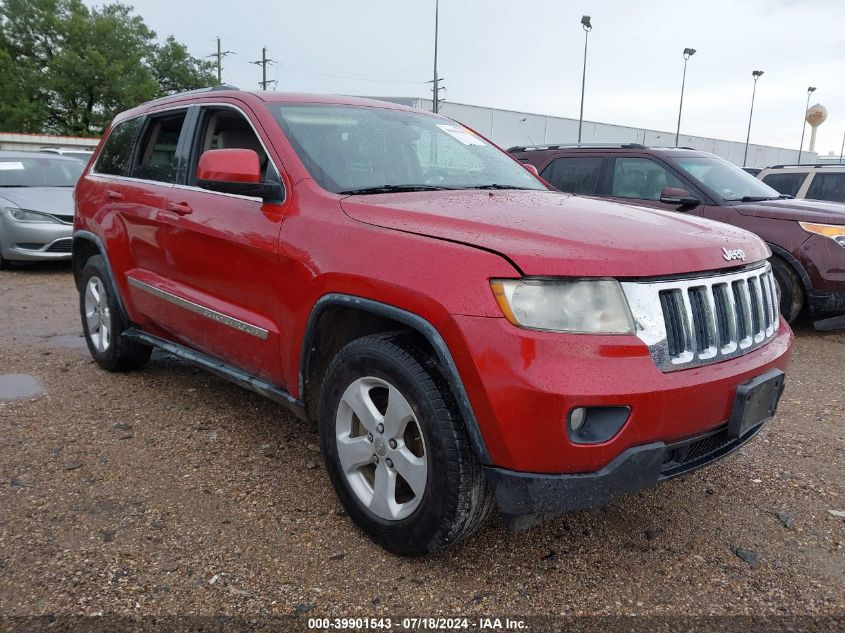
point(221, 369)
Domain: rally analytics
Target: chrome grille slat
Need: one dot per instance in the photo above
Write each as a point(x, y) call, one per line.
point(705, 319)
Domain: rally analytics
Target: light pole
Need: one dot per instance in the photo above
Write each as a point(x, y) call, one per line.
point(435, 84)
point(756, 74)
point(585, 23)
point(842, 149)
point(688, 52)
point(810, 91)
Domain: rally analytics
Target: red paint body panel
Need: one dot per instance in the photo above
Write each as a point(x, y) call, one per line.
point(431, 254)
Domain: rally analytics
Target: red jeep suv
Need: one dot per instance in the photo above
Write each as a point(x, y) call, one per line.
point(464, 336)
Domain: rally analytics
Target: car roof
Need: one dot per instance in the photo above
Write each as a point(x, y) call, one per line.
point(225, 90)
point(11, 154)
point(611, 148)
point(808, 167)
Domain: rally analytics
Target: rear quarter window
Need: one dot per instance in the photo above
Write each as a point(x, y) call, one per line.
point(117, 151)
point(827, 187)
point(787, 184)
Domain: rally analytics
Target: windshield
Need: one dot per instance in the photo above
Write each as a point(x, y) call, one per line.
point(356, 149)
point(41, 171)
point(726, 179)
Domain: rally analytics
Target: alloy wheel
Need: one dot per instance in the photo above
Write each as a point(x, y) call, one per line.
point(381, 448)
point(97, 314)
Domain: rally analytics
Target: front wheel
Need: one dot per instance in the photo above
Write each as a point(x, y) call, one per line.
point(103, 321)
point(395, 447)
point(790, 291)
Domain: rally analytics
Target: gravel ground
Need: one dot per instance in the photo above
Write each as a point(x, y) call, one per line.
point(169, 491)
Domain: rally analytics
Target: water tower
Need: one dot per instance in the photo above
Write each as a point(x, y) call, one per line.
point(816, 115)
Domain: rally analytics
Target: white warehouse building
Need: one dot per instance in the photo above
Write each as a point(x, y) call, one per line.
point(508, 128)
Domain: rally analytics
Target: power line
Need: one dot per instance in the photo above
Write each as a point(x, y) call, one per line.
point(263, 63)
point(220, 55)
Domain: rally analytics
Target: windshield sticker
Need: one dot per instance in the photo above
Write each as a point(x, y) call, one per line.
point(462, 134)
point(11, 166)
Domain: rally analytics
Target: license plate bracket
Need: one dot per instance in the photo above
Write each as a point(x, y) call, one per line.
point(756, 401)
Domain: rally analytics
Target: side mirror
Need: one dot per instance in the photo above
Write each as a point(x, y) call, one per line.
point(532, 169)
point(678, 196)
point(235, 171)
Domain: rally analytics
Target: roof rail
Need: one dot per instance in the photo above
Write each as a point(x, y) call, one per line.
point(530, 148)
point(807, 165)
point(195, 92)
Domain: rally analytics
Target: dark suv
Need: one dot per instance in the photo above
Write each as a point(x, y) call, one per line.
point(807, 237)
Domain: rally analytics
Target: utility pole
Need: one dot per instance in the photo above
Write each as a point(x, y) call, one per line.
point(263, 63)
point(842, 150)
point(810, 91)
point(220, 54)
point(756, 74)
point(435, 83)
point(587, 26)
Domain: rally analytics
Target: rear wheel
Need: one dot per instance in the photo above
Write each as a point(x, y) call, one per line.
point(103, 321)
point(789, 288)
point(395, 447)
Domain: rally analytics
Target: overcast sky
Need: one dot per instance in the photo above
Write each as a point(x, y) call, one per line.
point(527, 55)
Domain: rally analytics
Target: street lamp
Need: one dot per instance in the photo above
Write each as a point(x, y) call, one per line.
point(585, 24)
point(810, 91)
point(688, 52)
point(756, 74)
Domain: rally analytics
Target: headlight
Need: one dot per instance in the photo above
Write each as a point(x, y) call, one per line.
point(25, 215)
point(595, 306)
point(833, 231)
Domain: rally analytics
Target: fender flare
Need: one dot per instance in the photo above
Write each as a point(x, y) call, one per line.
point(420, 325)
point(88, 236)
point(796, 265)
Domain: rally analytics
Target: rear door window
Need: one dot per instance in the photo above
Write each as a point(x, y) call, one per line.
point(785, 183)
point(827, 187)
point(157, 153)
point(117, 152)
point(576, 174)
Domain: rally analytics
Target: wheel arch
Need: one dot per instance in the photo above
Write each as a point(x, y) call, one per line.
point(86, 245)
point(360, 317)
point(793, 262)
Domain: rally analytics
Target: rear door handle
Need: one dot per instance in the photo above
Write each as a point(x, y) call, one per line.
point(114, 195)
point(179, 208)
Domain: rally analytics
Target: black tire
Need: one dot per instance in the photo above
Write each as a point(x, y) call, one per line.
point(789, 287)
point(119, 354)
point(457, 499)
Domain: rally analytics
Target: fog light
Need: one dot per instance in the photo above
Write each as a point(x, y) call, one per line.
point(593, 425)
point(577, 417)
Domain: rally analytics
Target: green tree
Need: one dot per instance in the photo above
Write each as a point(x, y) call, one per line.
point(68, 69)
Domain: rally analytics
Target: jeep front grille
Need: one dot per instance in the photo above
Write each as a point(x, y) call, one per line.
point(706, 319)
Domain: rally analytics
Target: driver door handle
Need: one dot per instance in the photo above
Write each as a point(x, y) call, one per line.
point(179, 208)
point(114, 195)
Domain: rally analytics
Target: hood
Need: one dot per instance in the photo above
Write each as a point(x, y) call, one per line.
point(550, 233)
point(798, 210)
point(57, 201)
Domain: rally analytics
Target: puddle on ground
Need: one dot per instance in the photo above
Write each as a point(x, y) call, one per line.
point(19, 386)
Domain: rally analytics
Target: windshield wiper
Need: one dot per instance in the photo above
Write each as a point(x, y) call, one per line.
point(751, 199)
point(391, 189)
point(495, 186)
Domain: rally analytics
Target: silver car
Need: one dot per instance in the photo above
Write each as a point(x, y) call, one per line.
point(36, 205)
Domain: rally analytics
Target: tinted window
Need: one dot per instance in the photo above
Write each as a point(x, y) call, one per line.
point(574, 175)
point(786, 183)
point(641, 178)
point(353, 148)
point(39, 171)
point(117, 152)
point(157, 155)
point(827, 187)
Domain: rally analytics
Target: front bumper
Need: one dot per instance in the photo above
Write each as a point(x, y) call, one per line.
point(522, 384)
point(27, 241)
point(525, 499)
